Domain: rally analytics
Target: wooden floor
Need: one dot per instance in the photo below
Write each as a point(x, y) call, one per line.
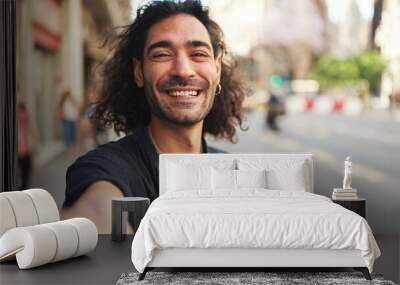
point(389, 262)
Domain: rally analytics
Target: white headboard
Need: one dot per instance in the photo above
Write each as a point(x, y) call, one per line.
point(214, 158)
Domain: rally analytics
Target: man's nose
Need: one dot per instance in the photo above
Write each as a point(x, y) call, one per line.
point(183, 67)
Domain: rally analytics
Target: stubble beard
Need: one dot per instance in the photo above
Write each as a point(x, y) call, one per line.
point(157, 109)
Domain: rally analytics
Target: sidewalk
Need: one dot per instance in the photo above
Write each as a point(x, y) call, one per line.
point(51, 176)
point(52, 161)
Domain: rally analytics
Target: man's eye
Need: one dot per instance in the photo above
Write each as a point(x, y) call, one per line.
point(200, 54)
point(160, 55)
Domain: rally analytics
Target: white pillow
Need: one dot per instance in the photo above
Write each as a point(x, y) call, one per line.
point(251, 178)
point(181, 177)
point(227, 179)
point(223, 179)
point(281, 174)
point(292, 179)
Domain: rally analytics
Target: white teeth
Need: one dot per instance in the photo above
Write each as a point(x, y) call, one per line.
point(183, 93)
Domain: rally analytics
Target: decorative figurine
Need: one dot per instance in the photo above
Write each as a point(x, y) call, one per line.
point(347, 174)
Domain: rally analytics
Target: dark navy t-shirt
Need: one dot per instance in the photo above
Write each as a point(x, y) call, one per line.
point(130, 163)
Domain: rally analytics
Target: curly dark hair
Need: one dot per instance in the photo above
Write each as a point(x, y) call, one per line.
point(118, 107)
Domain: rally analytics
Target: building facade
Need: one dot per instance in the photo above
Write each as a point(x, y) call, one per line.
point(387, 38)
point(274, 36)
point(58, 43)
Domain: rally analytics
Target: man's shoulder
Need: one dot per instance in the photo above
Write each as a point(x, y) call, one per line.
point(112, 149)
point(124, 149)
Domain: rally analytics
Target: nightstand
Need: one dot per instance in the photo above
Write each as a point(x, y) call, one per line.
point(121, 207)
point(357, 206)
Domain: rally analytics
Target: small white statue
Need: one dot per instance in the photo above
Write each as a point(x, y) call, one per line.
point(347, 174)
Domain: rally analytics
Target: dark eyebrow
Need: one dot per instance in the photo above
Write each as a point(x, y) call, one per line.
point(165, 44)
point(197, 43)
point(160, 44)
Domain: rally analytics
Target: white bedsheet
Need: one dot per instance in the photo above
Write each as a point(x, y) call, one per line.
point(250, 218)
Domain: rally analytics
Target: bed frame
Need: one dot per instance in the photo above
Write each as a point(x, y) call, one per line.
point(248, 259)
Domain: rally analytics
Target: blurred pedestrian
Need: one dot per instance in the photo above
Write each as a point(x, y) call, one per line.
point(87, 129)
point(68, 112)
point(394, 101)
point(28, 137)
point(276, 109)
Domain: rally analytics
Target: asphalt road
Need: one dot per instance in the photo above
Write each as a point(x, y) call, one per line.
point(372, 141)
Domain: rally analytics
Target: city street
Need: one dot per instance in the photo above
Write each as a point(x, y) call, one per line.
point(372, 140)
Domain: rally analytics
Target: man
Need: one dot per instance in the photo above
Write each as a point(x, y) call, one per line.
point(170, 81)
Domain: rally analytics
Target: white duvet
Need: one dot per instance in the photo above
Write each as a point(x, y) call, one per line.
point(252, 218)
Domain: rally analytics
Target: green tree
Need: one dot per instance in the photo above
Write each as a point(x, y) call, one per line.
point(331, 71)
point(371, 66)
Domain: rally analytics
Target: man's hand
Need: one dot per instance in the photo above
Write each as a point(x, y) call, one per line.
point(95, 204)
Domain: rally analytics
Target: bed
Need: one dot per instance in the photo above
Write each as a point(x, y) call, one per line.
point(246, 211)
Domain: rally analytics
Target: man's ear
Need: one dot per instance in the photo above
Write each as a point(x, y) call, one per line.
point(137, 72)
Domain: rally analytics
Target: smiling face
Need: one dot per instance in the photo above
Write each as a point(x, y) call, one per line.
point(179, 70)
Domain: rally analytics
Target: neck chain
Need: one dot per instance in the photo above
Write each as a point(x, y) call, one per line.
point(156, 146)
point(153, 141)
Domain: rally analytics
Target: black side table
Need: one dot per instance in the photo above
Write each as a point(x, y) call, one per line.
point(121, 207)
point(357, 206)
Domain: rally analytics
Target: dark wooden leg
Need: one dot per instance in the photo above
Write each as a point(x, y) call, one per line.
point(118, 232)
point(143, 274)
point(364, 271)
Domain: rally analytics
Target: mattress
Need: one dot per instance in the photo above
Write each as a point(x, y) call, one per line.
point(251, 219)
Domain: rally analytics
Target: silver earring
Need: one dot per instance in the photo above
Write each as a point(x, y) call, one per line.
point(219, 88)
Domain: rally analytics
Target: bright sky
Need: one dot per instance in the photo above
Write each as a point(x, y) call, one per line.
point(336, 8)
point(241, 37)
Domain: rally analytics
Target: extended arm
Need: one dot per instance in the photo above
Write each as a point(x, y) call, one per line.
point(95, 204)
